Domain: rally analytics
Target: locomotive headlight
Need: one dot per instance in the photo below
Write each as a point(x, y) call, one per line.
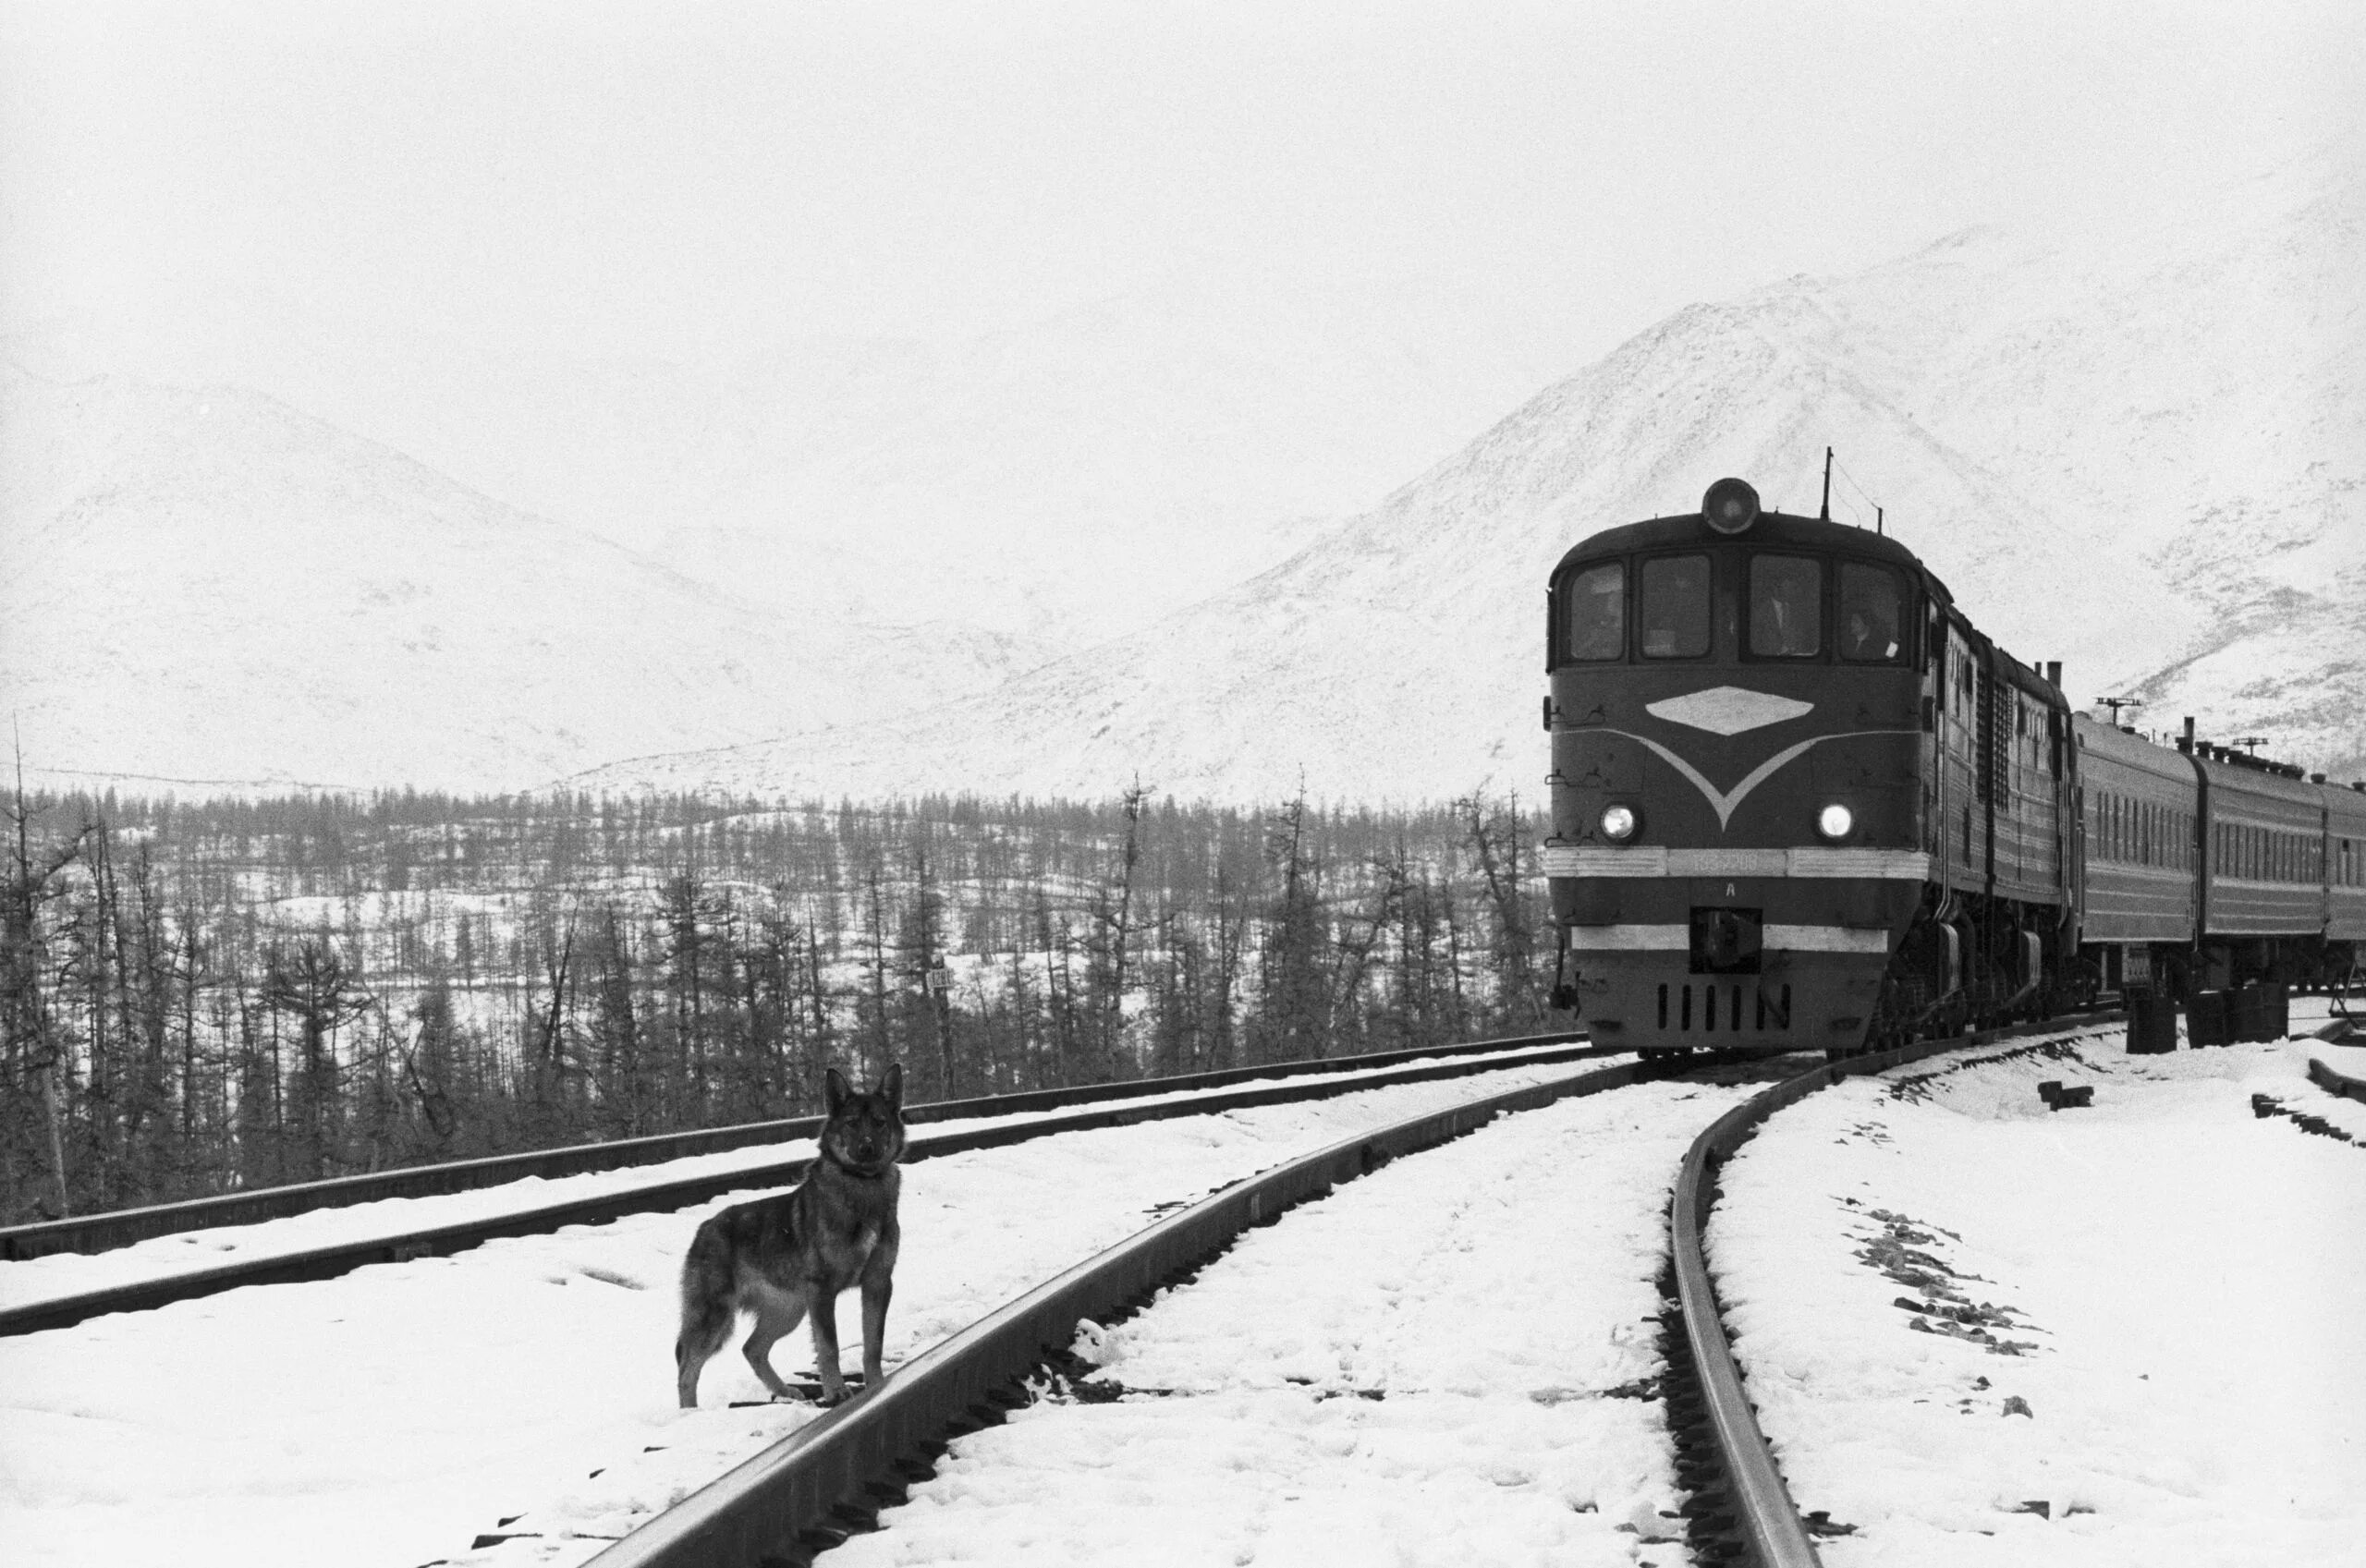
point(1835, 821)
point(1618, 823)
point(1730, 506)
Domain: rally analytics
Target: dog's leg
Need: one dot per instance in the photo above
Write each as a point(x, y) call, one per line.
point(774, 1318)
point(822, 1304)
point(706, 1323)
point(710, 1306)
point(878, 1286)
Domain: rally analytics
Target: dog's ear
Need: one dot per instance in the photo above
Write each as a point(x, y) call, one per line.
point(835, 1091)
point(892, 1085)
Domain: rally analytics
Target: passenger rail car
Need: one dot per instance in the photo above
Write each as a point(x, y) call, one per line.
point(2208, 868)
point(1800, 800)
point(2142, 854)
point(2345, 879)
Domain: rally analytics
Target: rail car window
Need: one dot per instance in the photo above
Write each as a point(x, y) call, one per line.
point(1872, 617)
point(1672, 619)
point(1786, 607)
point(1598, 613)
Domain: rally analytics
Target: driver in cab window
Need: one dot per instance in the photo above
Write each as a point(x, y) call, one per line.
point(1867, 639)
point(1785, 594)
point(1869, 614)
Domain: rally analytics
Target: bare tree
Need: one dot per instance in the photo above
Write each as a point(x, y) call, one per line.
point(30, 1050)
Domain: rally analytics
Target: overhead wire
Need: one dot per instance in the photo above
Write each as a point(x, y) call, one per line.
point(1871, 504)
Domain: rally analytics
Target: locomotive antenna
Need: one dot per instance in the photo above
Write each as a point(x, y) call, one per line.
point(1824, 516)
point(2116, 703)
point(1877, 522)
point(2250, 742)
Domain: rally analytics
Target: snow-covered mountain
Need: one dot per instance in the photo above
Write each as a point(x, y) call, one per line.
point(1068, 480)
point(2140, 453)
point(209, 586)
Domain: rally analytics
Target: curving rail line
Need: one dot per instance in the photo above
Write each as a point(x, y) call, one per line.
point(1320, 1080)
point(2340, 1084)
point(1741, 1511)
point(830, 1477)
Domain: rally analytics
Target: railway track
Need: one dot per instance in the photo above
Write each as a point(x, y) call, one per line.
point(118, 1228)
point(390, 1414)
point(830, 1477)
point(2341, 1084)
point(993, 1122)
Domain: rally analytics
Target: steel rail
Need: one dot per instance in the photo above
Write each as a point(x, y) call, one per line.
point(1766, 1520)
point(754, 1515)
point(2341, 1084)
point(331, 1260)
point(99, 1232)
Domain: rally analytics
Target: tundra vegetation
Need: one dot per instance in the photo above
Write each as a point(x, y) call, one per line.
point(201, 997)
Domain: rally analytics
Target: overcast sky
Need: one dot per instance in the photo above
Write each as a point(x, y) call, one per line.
point(213, 189)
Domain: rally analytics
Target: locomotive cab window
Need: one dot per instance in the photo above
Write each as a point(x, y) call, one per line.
point(1598, 613)
point(1872, 623)
point(1786, 607)
point(1672, 613)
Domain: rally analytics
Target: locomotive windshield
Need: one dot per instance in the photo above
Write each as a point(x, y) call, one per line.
point(1791, 605)
point(1785, 607)
point(1598, 613)
point(1870, 617)
point(1673, 619)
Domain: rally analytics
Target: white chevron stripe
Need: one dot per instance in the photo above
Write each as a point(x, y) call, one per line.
point(1725, 803)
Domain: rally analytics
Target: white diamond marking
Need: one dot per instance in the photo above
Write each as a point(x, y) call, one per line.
point(1728, 710)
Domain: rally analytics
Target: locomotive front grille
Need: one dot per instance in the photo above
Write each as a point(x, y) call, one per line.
point(1709, 1006)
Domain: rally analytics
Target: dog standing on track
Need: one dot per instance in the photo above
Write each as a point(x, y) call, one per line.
point(789, 1256)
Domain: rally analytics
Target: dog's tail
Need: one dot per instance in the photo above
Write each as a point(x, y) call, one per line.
point(709, 1287)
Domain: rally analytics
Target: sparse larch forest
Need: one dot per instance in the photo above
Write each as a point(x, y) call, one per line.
point(198, 998)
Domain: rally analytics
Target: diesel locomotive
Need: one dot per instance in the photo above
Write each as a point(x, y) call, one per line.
point(1798, 800)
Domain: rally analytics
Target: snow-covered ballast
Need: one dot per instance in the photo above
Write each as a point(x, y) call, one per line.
point(1797, 799)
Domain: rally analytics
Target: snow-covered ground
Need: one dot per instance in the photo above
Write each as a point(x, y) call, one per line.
point(2129, 1336)
point(70, 1273)
point(1454, 1360)
point(388, 1417)
point(1985, 1333)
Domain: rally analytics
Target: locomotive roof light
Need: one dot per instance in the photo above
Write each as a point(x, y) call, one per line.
point(1835, 821)
point(1619, 822)
point(1730, 506)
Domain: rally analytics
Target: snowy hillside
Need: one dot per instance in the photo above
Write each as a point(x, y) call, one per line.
point(212, 586)
point(2141, 455)
point(1125, 459)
